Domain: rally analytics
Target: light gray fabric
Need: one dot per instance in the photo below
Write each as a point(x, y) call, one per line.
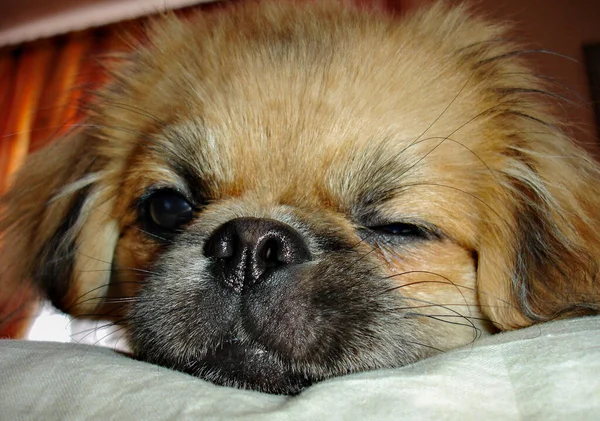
point(546, 372)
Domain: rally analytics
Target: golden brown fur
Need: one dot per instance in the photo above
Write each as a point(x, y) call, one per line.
point(330, 120)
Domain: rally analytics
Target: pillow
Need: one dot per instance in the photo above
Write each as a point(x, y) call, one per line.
point(545, 372)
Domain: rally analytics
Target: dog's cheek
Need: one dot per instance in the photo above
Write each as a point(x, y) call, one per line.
point(437, 280)
point(135, 256)
point(178, 308)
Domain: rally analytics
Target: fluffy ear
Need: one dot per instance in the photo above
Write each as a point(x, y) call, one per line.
point(539, 258)
point(58, 237)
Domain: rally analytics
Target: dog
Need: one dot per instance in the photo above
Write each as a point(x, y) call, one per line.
point(276, 193)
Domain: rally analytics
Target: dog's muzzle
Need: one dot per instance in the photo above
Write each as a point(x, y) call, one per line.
point(261, 304)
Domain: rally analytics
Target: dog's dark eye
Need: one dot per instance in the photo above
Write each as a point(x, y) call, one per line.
point(401, 230)
point(165, 211)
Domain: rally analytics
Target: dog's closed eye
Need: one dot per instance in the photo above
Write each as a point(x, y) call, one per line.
point(400, 232)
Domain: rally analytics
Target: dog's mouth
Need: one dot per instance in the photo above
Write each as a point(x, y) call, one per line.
point(248, 365)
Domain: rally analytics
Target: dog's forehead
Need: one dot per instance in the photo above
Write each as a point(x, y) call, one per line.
point(303, 109)
point(296, 122)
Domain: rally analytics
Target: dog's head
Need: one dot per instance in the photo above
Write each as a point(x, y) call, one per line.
point(281, 193)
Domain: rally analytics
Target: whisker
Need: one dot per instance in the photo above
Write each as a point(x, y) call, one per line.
point(423, 345)
point(532, 118)
point(439, 318)
point(121, 267)
point(95, 328)
point(105, 326)
point(121, 300)
point(520, 90)
point(499, 40)
point(136, 110)
point(481, 319)
point(581, 100)
point(476, 330)
point(448, 281)
point(525, 52)
point(102, 299)
point(483, 113)
point(80, 300)
point(460, 91)
point(111, 313)
point(479, 291)
point(358, 260)
point(117, 269)
point(484, 319)
point(119, 329)
point(122, 129)
point(492, 173)
point(477, 198)
point(151, 234)
point(134, 227)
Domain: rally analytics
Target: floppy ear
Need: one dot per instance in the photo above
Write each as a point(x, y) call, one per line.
point(56, 230)
point(539, 258)
point(538, 225)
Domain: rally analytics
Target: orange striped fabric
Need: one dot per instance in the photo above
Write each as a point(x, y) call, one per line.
point(44, 85)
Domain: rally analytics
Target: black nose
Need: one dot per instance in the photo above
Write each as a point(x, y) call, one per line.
point(246, 249)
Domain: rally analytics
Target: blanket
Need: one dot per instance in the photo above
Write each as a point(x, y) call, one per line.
point(545, 372)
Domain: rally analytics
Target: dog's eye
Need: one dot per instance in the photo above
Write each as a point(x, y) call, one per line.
point(401, 230)
point(165, 211)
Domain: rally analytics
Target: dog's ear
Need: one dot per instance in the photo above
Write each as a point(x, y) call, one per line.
point(57, 233)
point(538, 258)
point(538, 228)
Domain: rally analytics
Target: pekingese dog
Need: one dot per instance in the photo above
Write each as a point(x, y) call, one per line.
point(276, 193)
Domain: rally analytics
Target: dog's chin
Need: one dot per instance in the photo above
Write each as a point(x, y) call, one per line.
point(240, 364)
point(249, 366)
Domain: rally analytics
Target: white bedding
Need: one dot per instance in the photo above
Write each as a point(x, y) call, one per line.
point(546, 372)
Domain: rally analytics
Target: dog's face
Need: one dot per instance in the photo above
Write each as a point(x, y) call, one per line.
point(281, 193)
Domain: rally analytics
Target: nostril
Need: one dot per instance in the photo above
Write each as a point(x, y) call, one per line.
point(222, 245)
point(271, 254)
point(246, 250)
